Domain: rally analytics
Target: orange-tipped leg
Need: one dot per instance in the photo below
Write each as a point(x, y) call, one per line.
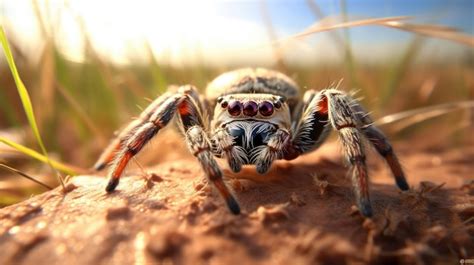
point(382, 145)
point(139, 136)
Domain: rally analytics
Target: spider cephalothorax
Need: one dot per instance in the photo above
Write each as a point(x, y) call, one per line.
point(257, 118)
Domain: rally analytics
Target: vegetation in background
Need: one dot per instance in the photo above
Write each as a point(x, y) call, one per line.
point(25, 100)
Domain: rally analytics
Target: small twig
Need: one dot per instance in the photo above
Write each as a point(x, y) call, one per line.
point(25, 176)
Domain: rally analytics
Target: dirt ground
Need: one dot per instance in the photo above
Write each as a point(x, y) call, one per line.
point(300, 213)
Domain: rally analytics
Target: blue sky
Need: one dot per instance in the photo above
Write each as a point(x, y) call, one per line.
point(295, 15)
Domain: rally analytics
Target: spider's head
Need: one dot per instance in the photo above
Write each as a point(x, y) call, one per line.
point(256, 107)
point(251, 119)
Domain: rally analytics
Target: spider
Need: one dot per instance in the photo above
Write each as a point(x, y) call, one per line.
point(258, 118)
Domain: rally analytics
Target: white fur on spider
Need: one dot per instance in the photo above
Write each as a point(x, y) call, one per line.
point(251, 128)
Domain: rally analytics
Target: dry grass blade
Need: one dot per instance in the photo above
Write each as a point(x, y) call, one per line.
point(421, 27)
point(330, 23)
point(436, 31)
point(415, 116)
point(430, 30)
point(25, 176)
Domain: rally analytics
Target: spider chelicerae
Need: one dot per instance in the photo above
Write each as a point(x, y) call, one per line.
point(257, 118)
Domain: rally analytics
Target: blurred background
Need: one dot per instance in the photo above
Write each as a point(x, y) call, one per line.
point(90, 66)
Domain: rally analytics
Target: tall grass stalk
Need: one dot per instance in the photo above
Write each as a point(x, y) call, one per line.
point(272, 34)
point(349, 58)
point(26, 101)
point(400, 69)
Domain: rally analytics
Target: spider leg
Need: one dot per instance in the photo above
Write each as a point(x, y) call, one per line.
point(185, 103)
point(224, 144)
point(333, 107)
point(345, 122)
point(264, 155)
point(138, 136)
point(381, 144)
point(312, 129)
point(115, 145)
point(297, 112)
point(352, 123)
point(200, 146)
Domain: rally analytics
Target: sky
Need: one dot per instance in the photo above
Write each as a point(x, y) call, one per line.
point(226, 32)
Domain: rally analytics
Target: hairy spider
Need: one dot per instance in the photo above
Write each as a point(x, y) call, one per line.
point(257, 118)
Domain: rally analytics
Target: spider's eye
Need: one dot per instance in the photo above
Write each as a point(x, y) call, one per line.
point(250, 108)
point(265, 108)
point(235, 108)
point(277, 104)
point(224, 104)
point(280, 100)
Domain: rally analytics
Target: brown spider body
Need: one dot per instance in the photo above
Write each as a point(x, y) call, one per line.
point(250, 80)
point(257, 118)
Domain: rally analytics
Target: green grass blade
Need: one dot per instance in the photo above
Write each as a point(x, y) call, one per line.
point(32, 153)
point(25, 99)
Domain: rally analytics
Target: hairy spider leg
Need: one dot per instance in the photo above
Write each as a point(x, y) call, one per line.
point(351, 122)
point(200, 145)
point(141, 135)
point(116, 144)
point(223, 144)
point(184, 104)
point(273, 150)
point(381, 144)
point(345, 122)
point(311, 129)
point(332, 107)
